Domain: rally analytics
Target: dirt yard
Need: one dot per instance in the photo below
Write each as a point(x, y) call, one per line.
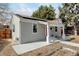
point(54, 49)
point(3, 44)
point(8, 51)
point(76, 39)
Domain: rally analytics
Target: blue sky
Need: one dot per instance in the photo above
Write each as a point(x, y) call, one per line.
point(31, 6)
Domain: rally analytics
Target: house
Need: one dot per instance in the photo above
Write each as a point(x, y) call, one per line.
point(30, 29)
point(1, 26)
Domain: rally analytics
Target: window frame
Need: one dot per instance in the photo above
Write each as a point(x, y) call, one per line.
point(13, 28)
point(36, 28)
point(56, 29)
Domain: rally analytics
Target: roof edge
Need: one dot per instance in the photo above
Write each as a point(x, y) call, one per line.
point(32, 18)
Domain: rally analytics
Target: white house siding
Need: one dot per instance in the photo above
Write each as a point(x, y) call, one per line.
point(27, 34)
point(53, 33)
point(16, 34)
point(59, 31)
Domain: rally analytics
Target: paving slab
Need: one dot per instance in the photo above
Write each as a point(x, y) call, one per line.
point(22, 48)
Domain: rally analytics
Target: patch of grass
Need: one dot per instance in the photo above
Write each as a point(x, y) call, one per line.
point(70, 39)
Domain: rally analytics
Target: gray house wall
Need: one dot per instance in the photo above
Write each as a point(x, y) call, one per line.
point(27, 34)
point(24, 30)
point(53, 33)
point(16, 33)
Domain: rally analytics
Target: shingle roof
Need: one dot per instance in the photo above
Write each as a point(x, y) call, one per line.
point(50, 22)
point(32, 18)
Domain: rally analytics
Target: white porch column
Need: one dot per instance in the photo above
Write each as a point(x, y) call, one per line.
point(47, 38)
point(63, 36)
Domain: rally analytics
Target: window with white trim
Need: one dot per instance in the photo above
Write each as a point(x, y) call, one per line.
point(34, 28)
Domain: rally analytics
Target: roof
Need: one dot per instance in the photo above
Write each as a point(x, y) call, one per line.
point(56, 22)
point(32, 18)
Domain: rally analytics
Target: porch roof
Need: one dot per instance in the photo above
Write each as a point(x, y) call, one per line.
point(56, 22)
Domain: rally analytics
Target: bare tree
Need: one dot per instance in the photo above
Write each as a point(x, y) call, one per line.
point(5, 14)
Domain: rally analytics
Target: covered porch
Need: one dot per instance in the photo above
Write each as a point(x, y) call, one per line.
point(55, 30)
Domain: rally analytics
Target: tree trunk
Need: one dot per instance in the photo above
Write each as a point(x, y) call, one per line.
point(75, 30)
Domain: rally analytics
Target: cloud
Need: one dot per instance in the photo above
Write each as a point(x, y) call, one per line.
point(23, 11)
point(26, 9)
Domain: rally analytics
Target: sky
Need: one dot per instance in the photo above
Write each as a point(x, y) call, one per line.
point(32, 6)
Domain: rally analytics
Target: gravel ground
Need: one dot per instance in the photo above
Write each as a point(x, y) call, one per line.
point(54, 49)
point(63, 52)
point(76, 40)
point(8, 51)
point(3, 44)
point(72, 47)
point(46, 50)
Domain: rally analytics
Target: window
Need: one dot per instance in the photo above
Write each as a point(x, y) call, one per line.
point(34, 28)
point(13, 28)
point(50, 28)
point(55, 29)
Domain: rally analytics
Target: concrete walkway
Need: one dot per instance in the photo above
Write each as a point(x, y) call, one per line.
point(69, 43)
point(65, 42)
point(22, 48)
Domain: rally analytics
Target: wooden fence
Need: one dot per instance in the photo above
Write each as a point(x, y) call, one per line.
point(5, 33)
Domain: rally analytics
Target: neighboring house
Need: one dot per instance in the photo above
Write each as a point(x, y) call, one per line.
point(4, 25)
point(1, 25)
point(29, 29)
